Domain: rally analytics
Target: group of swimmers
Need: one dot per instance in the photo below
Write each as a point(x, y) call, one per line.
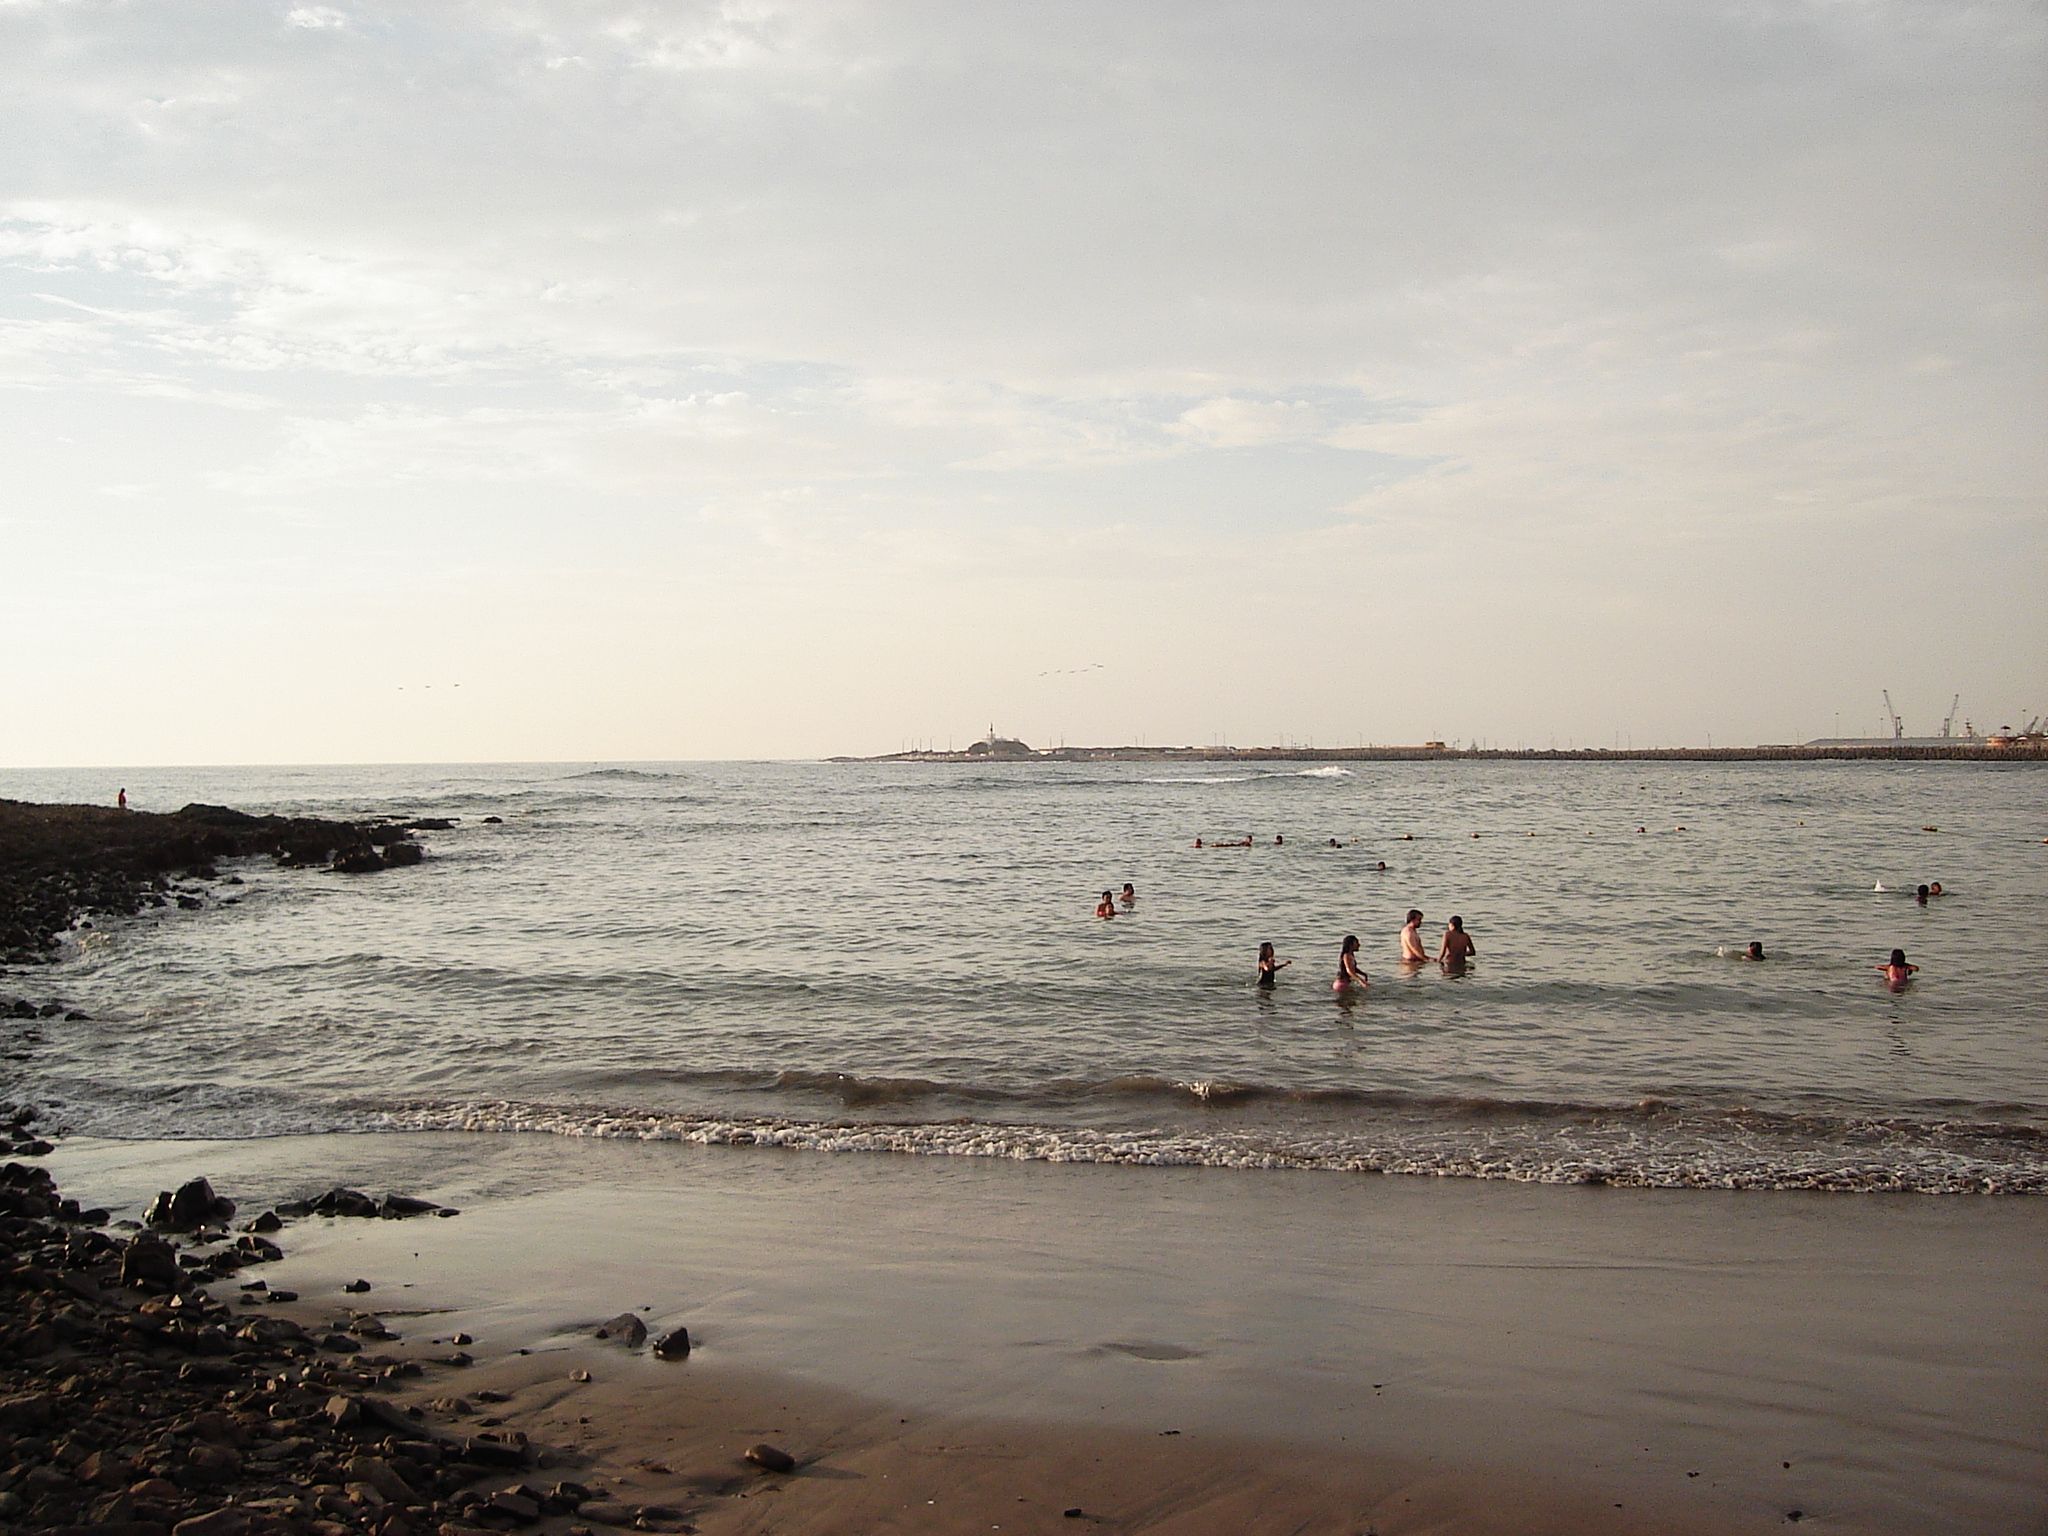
point(1453, 953)
point(1456, 949)
point(1126, 899)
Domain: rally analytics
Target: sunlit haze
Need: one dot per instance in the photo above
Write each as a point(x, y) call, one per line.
point(535, 380)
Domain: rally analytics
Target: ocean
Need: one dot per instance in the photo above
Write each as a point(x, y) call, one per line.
point(903, 958)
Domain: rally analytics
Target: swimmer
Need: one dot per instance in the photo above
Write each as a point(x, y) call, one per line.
point(1269, 968)
point(1411, 937)
point(1129, 895)
point(1458, 946)
point(1754, 952)
point(1935, 889)
point(1920, 894)
point(1380, 868)
point(1335, 844)
point(1896, 972)
point(1198, 842)
point(1349, 974)
point(1107, 906)
point(1279, 841)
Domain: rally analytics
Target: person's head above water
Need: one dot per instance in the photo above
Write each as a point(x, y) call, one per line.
point(1278, 839)
point(1266, 951)
point(1934, 889)
point(1458, 923)
point(1414, 915)
point(1350, 944)
point(1920, 892)
point(1756, 950)
point(1130, 889)
point(1898, 957)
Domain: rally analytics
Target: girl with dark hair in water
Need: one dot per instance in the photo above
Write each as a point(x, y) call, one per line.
point(1349, 973)
point(1269, 968)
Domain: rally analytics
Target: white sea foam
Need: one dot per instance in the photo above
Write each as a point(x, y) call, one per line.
point(1557, 1157)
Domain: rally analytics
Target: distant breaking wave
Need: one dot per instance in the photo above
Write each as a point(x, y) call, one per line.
point(634, 775)
point(1329, 772)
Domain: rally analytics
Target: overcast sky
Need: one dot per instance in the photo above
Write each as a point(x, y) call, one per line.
point(763, 380)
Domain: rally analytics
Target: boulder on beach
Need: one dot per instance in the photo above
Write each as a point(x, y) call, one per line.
point(150, 1263)
point(626, 1328)
point(673, 1346)
point(193, 1205)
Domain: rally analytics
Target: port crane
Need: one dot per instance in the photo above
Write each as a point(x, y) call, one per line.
point(1898, 725)
point(1946, 725)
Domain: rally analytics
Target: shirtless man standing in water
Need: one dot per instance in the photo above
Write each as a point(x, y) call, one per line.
point(1411, 938)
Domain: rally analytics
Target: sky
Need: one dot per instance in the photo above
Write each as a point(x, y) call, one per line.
point(537, 380)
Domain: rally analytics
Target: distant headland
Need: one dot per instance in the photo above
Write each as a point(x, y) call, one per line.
point(993, 748)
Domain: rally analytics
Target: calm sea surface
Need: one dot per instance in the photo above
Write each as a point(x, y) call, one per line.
point(904, 957)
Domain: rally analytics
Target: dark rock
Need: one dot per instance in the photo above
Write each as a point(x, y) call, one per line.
point(50, 1011)
point(269, 1221)
point(150, 1263)
point(77, 1016)
point(356, 1287)
point(396, 1207)
point(494, 821)
point(383, 1477)
point(515, 1503)
point(673, 1346)
point(481, 1451)
point(771, 1457)
point(626, 1328)
point(401, 855)
point(192, 1206)
point(26, 1410)
point(433, 823)
point(225, 1521)
point(361, 859)
point(345, 1202)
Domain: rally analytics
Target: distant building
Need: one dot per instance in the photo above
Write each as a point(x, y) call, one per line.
point(993, 745)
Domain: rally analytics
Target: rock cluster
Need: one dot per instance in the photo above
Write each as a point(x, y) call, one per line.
point(61, 862)
point(132, 1403)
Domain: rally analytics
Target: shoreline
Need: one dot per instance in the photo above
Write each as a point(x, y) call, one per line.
point(1190, 1351)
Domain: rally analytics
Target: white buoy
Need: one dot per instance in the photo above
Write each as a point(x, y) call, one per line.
point(1879, 886)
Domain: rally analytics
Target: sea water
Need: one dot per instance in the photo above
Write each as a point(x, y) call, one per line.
point(862, 958)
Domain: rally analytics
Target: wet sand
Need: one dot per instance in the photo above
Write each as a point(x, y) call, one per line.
point(956, 1344)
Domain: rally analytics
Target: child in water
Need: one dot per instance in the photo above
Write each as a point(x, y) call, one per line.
point(1107, 906)
point(1269, 968)
point(1896, 972)
point(1349, 973)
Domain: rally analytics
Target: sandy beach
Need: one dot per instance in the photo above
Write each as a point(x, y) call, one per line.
point(957, 1344)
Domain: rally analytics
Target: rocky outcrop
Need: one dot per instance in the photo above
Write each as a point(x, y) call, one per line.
point(61, 863)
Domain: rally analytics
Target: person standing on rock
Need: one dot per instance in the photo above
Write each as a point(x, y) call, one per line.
point(121, 800)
